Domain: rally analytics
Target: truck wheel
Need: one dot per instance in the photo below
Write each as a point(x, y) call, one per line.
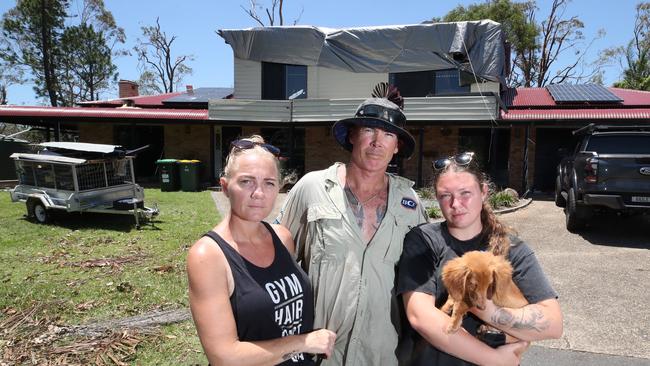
point(559, 200)
point(37, 210)
point(575, 219)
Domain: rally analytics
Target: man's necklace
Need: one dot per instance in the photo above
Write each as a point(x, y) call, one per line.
point(352, 198)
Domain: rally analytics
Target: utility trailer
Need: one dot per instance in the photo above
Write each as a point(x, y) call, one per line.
point(79, 177)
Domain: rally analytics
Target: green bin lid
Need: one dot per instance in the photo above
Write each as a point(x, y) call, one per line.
point(163, 161)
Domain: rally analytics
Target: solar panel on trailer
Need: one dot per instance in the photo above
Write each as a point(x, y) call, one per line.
point(200, 95)
point(566, 93)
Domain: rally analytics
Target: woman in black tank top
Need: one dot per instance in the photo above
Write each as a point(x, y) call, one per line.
point(251, 303)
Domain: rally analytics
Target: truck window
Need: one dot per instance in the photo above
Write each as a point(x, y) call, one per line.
point(619, 144)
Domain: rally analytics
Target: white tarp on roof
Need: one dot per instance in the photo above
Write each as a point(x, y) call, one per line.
point(81, 146)
point(400, 48)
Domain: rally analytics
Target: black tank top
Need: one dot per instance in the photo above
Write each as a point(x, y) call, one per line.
point(270, 302)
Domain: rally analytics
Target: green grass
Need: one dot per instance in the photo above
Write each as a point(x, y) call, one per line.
point(52, 264)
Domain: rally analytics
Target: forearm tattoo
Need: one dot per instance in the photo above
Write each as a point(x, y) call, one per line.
point(531, 318)
point(288, 356)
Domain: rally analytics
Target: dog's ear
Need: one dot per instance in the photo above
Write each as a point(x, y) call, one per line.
point(454, 276)
point(501, 275)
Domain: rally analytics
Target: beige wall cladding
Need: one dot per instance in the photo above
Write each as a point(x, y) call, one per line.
point(323, 82)
point(321, 149)
point(248, 79)
point(189, 142)
point(96, 133)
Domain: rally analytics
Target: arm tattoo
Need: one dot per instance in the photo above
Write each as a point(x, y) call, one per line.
point(531, 318)
point(289, 355)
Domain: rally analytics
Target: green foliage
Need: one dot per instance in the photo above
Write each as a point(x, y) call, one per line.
point(143, 270)
point(434, 212)
point(87, 64)
point(31, 33)
point(426, 193)
point(536, 46)
point(501, 199)
point(636, 55)
point(67, 63)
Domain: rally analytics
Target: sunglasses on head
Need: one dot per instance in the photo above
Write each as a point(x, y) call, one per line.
point(461, 159)
point(248, 144)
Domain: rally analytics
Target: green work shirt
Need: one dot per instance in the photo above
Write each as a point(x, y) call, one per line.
point(353, 283)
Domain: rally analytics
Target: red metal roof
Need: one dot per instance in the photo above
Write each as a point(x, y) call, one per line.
point(105, 113)
point(575, 114)
point(139, 101)
point(527, 97)
point(540, 97)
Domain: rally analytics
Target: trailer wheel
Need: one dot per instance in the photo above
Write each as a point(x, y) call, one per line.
point(36, 210)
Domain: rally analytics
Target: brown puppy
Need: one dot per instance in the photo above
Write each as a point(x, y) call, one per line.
point(474, 278)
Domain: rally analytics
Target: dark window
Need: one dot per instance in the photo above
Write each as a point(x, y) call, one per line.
point(448, 82)
point(619, 144)
point(291, 143)
point(281, 81)
point(428, 83)
point(413, 84)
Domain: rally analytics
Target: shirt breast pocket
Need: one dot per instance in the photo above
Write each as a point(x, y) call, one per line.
point(394, 249)
point(328, 241)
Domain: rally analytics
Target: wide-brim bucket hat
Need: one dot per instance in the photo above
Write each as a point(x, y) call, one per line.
point(376, 113)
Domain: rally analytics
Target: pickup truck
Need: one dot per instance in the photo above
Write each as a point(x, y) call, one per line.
point(609, 170)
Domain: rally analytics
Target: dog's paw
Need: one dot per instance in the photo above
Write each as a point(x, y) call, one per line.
point(452, 329)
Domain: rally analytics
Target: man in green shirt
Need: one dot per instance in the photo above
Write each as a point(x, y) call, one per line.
point(348, 222)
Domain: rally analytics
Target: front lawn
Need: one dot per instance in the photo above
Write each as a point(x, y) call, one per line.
point(85, 269)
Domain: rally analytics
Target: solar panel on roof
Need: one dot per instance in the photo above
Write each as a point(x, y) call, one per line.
point(200, 95)
point(567, 93)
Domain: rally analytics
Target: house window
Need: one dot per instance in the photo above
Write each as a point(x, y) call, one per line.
point(428, 83)
point(282, 81)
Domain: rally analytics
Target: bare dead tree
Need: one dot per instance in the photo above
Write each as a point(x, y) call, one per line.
point(155, 55)
point(276, 8)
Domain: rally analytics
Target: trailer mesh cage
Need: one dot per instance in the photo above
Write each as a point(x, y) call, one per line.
point(93, 174)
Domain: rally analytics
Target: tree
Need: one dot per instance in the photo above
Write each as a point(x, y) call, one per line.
point(276, 9)
point(537, 47)
point(155, 56)
point(31, 31)
point(8, 76)
point(636, 55)
point(87, 65)
point(67, 64)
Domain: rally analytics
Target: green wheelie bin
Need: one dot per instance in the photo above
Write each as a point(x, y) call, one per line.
point(168, 173)
point(189, 172)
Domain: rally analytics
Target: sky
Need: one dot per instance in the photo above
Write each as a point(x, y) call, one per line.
point(195, 22)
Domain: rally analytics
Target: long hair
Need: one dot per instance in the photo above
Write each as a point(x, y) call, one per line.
point(494, 232)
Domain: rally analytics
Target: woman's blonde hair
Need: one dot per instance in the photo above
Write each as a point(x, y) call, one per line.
point(494, 232)
point(257, 148)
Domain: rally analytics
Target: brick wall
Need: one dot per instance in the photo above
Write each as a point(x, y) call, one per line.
point(189, 142)
point(321, 149)
point(437, 142)
point(516, 158)
point(96, 133)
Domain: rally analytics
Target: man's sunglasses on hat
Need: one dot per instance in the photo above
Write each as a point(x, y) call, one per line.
point(394, 116)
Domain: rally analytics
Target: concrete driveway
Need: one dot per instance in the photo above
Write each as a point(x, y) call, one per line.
point(602, 276)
